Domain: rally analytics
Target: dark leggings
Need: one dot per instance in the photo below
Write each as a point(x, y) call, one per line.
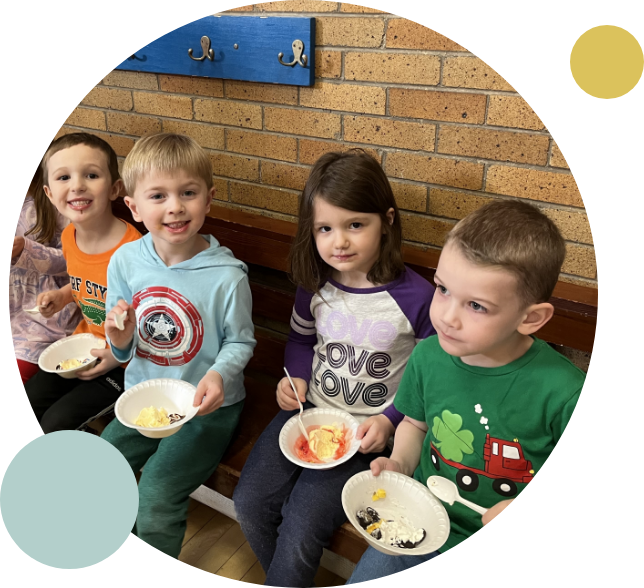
point(62, 405)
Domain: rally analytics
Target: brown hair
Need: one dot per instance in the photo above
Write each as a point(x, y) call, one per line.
point(46, 220)
point(166, 152)
point(88, 139)
point(517, 237)
point(352, 180)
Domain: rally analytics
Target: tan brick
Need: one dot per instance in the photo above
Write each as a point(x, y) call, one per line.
point(423, 229)
point(471, 72)
point(302, 122)
point(121, 145)
point(261, 144)
point(349, 32)
point(64, 131)
point(206, 135)
point(311, 151)
point(261, 92)
point(348, 97)
point(410, 196)
point(354, 8)
point(512, 111)
point(297, 6)
point(556, 157)
point(391, 133)
point(443, 106)
point(234, 166)
point(451, 204)
point(284, 175)
point(87, 118)
point(574, 226)
point(266, 198)
point(405, 34)
point(131, 79)
point(109, 98)
point(132, 124)
point(248, 8)
point(580, 261)
point(192, 85)
point(488, 144)
point(221, 189)
point(393, 68)
point(160, 104)
point(558, 188)
point(435, 170)
point(328, 64)
point(229, 113)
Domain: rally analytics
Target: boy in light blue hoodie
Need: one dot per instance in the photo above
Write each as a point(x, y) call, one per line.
point(187, 307)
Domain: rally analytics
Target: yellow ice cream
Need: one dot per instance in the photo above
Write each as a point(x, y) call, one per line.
point(152, 417)
point(325, 441)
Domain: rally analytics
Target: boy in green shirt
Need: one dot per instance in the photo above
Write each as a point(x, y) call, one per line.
point(484, 401)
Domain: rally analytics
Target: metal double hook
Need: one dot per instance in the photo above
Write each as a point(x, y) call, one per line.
point(298, 49)
point(205, 49)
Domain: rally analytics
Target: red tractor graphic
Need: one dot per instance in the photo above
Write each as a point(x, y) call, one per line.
point(504, 464)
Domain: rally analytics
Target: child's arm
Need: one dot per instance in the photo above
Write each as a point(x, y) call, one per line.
point(34, 256)
point(495, 511)
point(54, 301)
point(408, 444)
point(120, 342)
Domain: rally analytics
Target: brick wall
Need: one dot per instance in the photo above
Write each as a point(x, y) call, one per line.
point(449, 131)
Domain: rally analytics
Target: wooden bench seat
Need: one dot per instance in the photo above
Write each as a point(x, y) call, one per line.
point(263, 243)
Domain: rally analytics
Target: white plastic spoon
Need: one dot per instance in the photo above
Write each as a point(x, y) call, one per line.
point(118, 319)
point(447, 491)
point(34, 310)
point(299, 418)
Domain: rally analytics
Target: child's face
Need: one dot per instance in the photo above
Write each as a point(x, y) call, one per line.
point(348, 241)
point(79, 184)
point(476, 310)
point(172, 206)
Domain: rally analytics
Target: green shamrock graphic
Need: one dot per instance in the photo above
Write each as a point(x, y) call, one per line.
point(451, 441)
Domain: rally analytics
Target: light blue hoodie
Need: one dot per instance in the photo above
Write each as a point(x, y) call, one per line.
point(191, 317)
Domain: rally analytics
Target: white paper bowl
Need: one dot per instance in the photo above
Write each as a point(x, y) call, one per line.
point(73, 347)
point(314, 417)
point(405, 496)
point(176, 396)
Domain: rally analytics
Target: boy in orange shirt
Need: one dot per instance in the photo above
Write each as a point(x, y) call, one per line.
point(80, 173)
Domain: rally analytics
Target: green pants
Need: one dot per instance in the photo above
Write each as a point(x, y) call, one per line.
point(174, 468)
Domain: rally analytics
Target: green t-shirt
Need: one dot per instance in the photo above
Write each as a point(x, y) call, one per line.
point(490, 429)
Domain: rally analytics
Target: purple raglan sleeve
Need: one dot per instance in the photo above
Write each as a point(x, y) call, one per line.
point(414, 296)
point(302, 338)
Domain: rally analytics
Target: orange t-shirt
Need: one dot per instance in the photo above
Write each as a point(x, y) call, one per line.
point(88, 277)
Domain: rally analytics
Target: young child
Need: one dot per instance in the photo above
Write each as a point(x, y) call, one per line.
point(358, 314)
point(80, 173)
point(188, 316)
point(484, 389)
point(37, 265)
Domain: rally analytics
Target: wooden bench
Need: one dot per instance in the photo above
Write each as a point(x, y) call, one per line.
point(263, 243)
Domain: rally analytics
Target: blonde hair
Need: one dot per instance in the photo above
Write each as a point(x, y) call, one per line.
point(517, 237)
point(166, 152)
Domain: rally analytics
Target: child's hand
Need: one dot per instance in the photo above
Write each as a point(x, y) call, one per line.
point(18, 246)
point(51, 302)
point(210, 393)
point(285, 395)
point(106, 362)
point(496, 510)
point(375, 433)
point(384, 463)
point(121, 339)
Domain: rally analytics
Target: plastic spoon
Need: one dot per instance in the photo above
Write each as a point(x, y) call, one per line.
point(118, 320)
point(299, 418)
point(447, 491)
point(35, 309)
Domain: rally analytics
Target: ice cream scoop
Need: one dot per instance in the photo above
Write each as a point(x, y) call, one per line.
point(447, 491)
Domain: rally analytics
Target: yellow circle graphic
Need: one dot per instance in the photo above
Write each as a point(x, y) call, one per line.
point(607, 62)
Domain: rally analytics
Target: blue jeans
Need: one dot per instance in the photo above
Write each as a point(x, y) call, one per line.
point(374, 564)
point(289, 513)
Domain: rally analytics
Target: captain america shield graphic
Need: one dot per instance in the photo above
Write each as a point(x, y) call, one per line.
point(170, 329)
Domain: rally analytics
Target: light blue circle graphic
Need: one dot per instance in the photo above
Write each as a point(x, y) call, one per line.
point(69, 499)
